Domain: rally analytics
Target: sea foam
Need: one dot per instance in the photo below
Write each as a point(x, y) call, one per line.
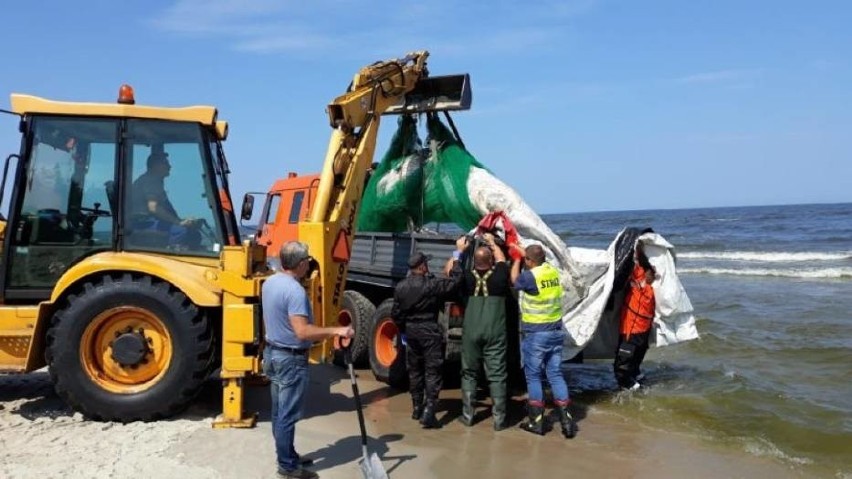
point(768, 257)
point(824, 273)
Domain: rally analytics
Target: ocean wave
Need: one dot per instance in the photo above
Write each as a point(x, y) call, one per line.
point(765, 448)
point(767, 257)
point(826, 273)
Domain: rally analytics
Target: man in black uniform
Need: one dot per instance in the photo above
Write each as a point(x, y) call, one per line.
point(417, 300)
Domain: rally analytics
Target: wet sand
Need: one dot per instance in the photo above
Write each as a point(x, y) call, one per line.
point(40, 437)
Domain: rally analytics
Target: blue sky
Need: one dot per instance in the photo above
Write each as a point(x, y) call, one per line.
point(579, 105)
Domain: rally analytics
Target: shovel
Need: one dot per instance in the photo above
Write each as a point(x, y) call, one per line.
point(371, 466)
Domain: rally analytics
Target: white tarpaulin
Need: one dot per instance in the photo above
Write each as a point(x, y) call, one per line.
point(673, 321)
point(588, 275)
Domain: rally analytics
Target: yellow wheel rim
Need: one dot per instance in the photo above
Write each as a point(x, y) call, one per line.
point(122, 324)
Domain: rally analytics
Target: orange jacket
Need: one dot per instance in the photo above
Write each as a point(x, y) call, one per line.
point(637, 314)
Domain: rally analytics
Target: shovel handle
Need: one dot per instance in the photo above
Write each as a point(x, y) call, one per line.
point(357, 395)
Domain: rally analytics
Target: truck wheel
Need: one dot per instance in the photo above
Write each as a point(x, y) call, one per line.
point(356, 311)
point(129, 348)
point(387, 353)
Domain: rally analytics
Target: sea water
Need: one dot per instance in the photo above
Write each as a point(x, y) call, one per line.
point(772, 292)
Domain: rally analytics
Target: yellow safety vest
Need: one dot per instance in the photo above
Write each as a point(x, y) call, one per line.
point(546, 306)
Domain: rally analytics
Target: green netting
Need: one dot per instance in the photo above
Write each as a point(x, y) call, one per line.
point(407, 190)
point(392, 197)
point(446, 198)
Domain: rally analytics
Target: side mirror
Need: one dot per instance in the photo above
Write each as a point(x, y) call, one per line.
point(248, 207)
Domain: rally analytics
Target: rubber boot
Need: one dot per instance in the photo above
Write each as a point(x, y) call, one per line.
point(569, 427)
point(416, 408)
point(428, 419)
point(468, 398)
point(535, 421)
point(498, 413)
point(498, 409)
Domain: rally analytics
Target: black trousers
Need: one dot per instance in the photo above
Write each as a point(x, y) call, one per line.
point(425, 361)
point(628, 356)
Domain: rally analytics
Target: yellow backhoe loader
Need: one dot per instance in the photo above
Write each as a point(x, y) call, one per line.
point(122, 265)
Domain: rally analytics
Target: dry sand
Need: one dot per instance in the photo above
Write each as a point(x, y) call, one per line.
point(42, 438)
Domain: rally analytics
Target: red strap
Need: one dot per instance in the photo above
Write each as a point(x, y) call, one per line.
point(489, 221)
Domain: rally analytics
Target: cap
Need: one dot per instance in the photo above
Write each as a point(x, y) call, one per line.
point(417, 259)
point(157, 158)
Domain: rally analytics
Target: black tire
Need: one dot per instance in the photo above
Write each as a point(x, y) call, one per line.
point(393, 373)
point(179, 378)
point(360, 311)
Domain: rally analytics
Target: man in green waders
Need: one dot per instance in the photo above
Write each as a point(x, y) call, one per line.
point(485, 289)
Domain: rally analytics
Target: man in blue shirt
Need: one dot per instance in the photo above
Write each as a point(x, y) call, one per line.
point(290, 332)
point(543, 337)
point(152, 210)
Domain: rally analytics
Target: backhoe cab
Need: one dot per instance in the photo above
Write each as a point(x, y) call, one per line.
point(117, 214)
point(122, 267)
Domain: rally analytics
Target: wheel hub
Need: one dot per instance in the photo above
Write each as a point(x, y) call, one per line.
point(130, 348)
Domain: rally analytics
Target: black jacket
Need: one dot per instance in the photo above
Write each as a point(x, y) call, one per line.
point(418, 298)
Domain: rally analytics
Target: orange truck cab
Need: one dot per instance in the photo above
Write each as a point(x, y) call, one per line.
point(288, 202)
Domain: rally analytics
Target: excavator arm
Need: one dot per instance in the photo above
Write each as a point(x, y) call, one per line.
point(395, 86)
point(399, 86)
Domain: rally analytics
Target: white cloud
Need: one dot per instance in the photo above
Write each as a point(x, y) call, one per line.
point(454, 28)
point(719, 76)
point(216, 16)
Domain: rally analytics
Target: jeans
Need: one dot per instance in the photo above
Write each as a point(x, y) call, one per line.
point(288, 373)
point(542, 352)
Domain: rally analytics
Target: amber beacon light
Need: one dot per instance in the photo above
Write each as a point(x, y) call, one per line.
point(125, 95)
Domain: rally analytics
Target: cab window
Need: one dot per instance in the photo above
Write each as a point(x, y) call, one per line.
point(171, 203)
point(63, 211)
point(272, 209)
point(296, 208)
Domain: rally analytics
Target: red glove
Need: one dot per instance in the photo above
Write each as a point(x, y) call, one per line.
point(516, 252)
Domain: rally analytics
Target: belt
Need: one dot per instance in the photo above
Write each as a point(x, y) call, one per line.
point(296, 351)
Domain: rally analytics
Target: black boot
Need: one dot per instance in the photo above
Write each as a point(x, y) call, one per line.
point(428, 419)
point(416, 408)
point(498, 413)
point(498, 409)
point(535, 421)
point(467, 408)
point(569, 427)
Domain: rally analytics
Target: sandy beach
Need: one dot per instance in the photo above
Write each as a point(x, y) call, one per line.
point(40, 437)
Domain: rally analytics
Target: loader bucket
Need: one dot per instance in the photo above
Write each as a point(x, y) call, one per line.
point(440, 93)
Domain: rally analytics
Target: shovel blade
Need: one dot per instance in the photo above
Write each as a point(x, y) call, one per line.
point(372, 468)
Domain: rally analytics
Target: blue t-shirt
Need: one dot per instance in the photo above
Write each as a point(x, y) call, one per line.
point(282, 296)
point(526, 283)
